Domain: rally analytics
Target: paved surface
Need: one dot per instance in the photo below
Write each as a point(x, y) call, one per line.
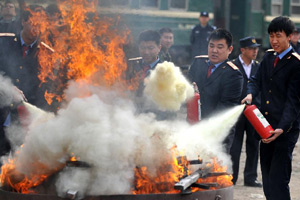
point(249, 193)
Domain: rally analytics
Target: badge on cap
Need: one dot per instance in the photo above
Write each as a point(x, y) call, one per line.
point(253, 41)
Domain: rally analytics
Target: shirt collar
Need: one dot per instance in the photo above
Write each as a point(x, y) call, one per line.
point(242, 61)
point(284, 52)
point(216, 65)
point(152, 65)
point(23, 43)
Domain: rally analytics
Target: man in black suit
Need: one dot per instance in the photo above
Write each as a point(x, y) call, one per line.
point(278, 81)
point(219, 81)
point(248, 66)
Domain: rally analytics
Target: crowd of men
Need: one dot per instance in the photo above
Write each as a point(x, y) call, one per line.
point(272, 85)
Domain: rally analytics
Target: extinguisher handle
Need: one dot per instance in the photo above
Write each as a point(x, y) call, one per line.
point(195, 87)
point(247, 103)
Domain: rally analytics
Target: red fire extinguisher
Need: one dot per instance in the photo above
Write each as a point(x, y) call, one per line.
point(258, 121)
point(194, 109)
point(23, 115)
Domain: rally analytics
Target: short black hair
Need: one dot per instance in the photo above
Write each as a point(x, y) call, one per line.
point(221, 33)
point(165, 30)
point(281, 23)
point(149, 35)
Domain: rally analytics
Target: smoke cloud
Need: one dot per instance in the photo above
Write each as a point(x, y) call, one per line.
point(167, 87)
point(8, 92)
point(103, 130)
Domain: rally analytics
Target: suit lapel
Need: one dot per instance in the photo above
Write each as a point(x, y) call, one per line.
point(282, 62)
point(216, 73)
point(254, 68)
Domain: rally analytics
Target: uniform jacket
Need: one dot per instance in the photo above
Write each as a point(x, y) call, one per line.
point(221, 90)
point(280, 90)
point(22, 71)
point(254, 68)
point(199, 39)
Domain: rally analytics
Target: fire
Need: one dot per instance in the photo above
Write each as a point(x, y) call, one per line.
point(18, 181)
point(170, 173)
point(79, 45)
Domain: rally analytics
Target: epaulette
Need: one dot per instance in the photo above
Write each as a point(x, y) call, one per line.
point(47, 46)
point(233, 66)
point(296, 55)
point(134, 59)
point(7, 34)
point(270, 50)
point(201, 56)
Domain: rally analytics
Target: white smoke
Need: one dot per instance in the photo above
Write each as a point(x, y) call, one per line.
point(167, 87)
point(104, 131)
point(8, 92)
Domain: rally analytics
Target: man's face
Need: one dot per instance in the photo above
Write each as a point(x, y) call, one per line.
point(295, 37)
point(279, 41)
point(9, 10)
point(149, 51)
point(167, 40)
point(203, 20)
point(218, 51)
point(29, 30)
point(250, 52)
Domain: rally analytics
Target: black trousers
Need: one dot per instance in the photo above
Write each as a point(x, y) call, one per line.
point(276, 165)
point(252, 147)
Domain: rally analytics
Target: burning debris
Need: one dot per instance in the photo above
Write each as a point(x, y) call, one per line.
point(114, 141)
point(125, 153)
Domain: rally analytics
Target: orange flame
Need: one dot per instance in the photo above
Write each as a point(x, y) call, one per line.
point(170, 173)
point(79, 45)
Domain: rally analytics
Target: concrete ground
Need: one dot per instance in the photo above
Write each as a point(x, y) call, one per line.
point(250, 193)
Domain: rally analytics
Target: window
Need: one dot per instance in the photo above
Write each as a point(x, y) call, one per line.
point(178, 4)
point(256, 5)
point(276, 7)
point(114, 3)
point(149, 3)
point(295, 7)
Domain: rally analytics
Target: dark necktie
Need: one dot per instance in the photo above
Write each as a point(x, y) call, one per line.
point(25, 49)
point(276, 61)
point(209, 70)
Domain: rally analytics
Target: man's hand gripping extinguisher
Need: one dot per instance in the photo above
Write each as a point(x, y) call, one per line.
point(258, 121)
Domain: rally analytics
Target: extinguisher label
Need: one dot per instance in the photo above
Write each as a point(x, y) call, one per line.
point(261, 118)
point(199, 109)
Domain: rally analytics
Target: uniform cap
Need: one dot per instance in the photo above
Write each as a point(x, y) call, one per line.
point(248, 42)
point(204, 14)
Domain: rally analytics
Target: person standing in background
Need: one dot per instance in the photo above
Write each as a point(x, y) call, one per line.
point(166, 41)
point(295, 40)
point(248, 66)
point(200, 34)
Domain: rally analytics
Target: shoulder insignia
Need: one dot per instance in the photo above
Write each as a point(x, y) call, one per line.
point(270, 50)
point(134, 59)
point(47, 46)
point(7, 34)
point(202, 56)
point(296, 55)
point(233, 66)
